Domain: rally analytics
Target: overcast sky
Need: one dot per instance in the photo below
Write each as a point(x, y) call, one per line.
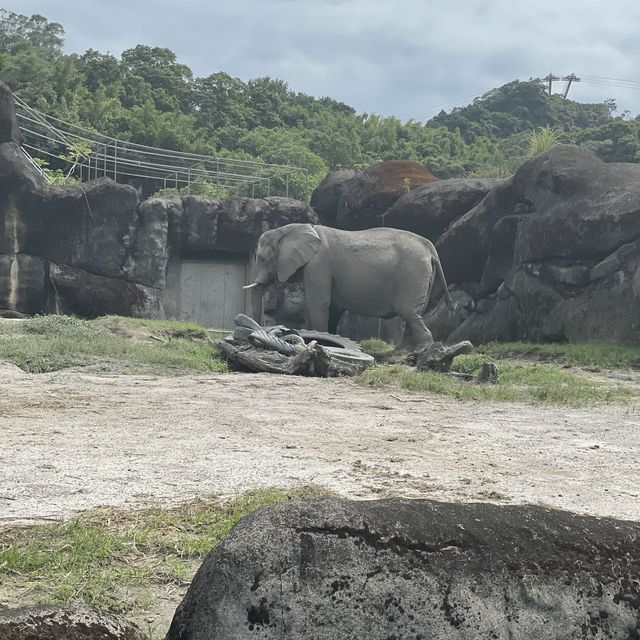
point(408, 58)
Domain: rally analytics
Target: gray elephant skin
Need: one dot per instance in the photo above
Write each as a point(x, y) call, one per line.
point(378, 272)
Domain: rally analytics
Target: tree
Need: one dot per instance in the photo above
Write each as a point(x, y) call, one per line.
point(17, 30)
point(158, 66)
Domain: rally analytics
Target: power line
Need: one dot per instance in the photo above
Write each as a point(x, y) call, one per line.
point(436, 108)
point(572, 77)
point(550, 78)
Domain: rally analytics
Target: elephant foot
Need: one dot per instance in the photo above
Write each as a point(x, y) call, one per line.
point(438, 357)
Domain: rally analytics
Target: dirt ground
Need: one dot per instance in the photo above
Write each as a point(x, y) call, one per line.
point(73, 440)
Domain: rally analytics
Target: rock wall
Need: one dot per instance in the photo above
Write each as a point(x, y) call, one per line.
point(412, 569)
point(550, 254)
point(94, 248)
point(363, 198)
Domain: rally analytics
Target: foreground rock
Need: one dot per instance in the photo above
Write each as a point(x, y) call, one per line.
point(332, 568)
point(64, 623)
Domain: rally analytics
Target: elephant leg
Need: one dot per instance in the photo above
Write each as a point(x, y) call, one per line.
point(420, 335)
point(335, 313)
point(317, 316)
point(317, 294)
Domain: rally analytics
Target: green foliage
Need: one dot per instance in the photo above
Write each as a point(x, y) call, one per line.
point(54, 176)
point(543, 139)
point(18, 31)
point(149, 97)
point(199, 187)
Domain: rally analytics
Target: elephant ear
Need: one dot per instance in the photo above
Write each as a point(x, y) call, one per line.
point(298, 245)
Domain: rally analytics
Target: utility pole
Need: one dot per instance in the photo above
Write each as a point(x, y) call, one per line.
point(572, 77)
point(550, 79)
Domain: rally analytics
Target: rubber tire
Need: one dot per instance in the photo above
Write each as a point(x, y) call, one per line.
point(329, 340)
point(241, 334)
point(351, 357)
point(267, 341)
point(243, 320)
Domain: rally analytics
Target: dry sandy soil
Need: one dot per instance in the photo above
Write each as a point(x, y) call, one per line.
point(73, 440)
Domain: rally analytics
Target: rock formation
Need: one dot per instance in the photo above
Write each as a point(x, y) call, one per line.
point(326, 196)
point(64, 623)
point(550, 254)
point(410, 569)
point(94, 248)
point(366, 196)
point(428, 210)
point(553, 253)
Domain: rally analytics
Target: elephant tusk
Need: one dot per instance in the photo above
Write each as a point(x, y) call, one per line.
point(250, 286)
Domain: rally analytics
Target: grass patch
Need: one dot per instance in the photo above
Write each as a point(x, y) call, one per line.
point(114, 559)
point(594, 356)
point(165, 347)
point(536, 383)
point(381, 350)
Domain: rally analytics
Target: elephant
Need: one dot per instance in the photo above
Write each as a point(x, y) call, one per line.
point(378, 272)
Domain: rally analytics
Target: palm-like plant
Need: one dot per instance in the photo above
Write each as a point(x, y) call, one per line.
point(543, 139)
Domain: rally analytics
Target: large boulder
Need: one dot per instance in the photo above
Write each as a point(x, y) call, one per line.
point(371, 192)
point(558, 244)
point(79, 292)
point(326, 195)
point(428, 210)
point(582, 207)
point(464, 246)
point(333, 568)
point(64, 623)
point(88, 226)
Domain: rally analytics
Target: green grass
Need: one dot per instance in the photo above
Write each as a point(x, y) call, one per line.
point(592, 355)
point(116, 559)
point(535, 383)
point(379, 349)
point(167, 347)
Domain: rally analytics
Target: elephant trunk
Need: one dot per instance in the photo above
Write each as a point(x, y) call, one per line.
point(255, 301)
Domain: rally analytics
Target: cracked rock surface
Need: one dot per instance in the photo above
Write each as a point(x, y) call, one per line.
point(64, 623)
point(416, 569)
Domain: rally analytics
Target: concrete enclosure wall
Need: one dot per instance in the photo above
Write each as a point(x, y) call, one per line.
point(207, 291)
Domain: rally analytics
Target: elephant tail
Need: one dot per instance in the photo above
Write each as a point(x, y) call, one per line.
point(443, 281)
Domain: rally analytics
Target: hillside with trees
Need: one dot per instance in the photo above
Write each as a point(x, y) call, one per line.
point(147, 96)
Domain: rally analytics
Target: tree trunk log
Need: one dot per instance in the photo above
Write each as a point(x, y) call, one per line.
point(312, 361)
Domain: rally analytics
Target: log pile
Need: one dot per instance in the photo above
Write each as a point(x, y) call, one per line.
point(281, 350)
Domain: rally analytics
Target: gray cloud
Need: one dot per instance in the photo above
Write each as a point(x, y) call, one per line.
point(407, 57)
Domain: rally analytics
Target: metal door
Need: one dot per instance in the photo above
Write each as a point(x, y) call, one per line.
point(211, 292)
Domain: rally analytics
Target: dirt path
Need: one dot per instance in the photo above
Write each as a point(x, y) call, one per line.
point(73, 440)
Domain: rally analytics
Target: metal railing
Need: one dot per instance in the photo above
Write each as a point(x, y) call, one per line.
point(96, 155)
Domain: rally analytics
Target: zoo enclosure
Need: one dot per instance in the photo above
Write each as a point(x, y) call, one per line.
point(96, 155)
